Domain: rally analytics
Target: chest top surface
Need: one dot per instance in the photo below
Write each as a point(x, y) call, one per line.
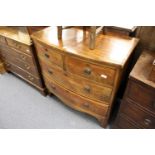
point(16, 33)
point(109, 49)
point(143, 68)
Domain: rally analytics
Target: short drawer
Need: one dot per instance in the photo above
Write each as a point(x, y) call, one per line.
point(21, 73)
point(124, 123)
point(49, 54)
point(141, 95)
point(102, 74)
point(2, 40)
point(77, 102)
point(7, 51)
point(23, 48)
point(27, 67)
point(139, 116)
point(78, 85)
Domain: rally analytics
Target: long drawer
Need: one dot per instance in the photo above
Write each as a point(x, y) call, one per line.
point(27, 67)
point(101, 74)
point(75, 101)
point(143, 118)
point(19, 46)
point(21, 73)
point(78, 85)
point(7, 51)
point(141, 95)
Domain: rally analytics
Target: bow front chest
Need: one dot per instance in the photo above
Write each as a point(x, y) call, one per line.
point(86, 80)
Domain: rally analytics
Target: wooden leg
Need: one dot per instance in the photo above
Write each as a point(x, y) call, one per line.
point(102, 121)
point(92, 37)
point(2, 69)
point(59, 32)
point(44, 92)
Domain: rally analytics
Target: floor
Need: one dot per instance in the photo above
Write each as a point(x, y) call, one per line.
point(23, 107)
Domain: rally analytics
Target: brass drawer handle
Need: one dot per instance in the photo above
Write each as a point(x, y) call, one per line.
point(46, 55)
point(87, 71)
point(87, 89)
point(154, 62)
point(86, 105)
point(50, 72)
point(147, 121)
point(31, 78)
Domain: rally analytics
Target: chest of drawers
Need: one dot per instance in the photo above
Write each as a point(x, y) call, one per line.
point(137, 109)
point(19, 57)
point(86, 80)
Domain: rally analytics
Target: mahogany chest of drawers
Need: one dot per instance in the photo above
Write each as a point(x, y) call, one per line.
point(86, 80)
point(19, 57)
point(137, 109)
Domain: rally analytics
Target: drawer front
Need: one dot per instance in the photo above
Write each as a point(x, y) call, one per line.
point(123, 123)
point(100, 74)
point(23, 48)
point(6, 51)
point(2, 40)
point(27, 67)
point(76, 101)
point(49, 54)
point(141, 95)
point(78, 85)
point(21, 73)
point(139, 116)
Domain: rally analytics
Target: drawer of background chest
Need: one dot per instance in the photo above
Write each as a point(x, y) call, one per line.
point(21, 73)
point(49, 54)
point(23, 48)
point(2, 40)
point(141, 95)
point(27, 67)
point(102, 74)
point(139, 116)
point(123, 123)
point(76, 101)
point(10, 52)
point(78, 85)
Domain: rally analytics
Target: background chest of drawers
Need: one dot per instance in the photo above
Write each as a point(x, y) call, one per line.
point(86, 80)
point(137, 109)
point(19, 56)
